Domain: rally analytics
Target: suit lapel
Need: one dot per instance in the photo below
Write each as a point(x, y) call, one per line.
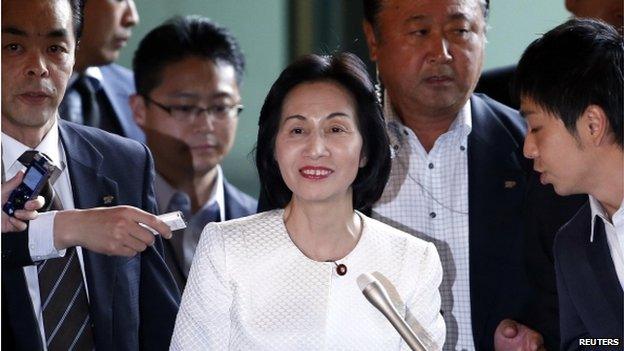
point(19, 323)
point(92, 189)
point(495, 184)
point(233, 208)
point(117, 96)
point(602, 266)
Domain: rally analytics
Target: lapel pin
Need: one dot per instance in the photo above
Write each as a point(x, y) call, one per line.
point(108, 199)
point(510, 184)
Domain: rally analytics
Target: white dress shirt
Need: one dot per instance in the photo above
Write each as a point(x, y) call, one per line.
point(614, 230)
point(164, 192)
point(427, 196)
point(251, 288)
point(40, 230)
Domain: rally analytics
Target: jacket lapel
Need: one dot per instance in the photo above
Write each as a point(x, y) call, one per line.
point(92, 189)
point(233, 207)
point(602, 266)
point(118, 92)
point(496, 184)
point(20, 329)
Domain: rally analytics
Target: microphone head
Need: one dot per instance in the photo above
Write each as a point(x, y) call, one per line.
point(365, 279)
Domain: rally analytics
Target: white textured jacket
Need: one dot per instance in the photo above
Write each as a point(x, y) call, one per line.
point(250, 288)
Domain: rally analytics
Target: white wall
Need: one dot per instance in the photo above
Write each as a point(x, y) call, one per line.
point(514, 24)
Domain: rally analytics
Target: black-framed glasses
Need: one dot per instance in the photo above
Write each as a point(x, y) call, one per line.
point(189, 113)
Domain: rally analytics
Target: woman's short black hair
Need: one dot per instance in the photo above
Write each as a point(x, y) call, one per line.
point(348, 71)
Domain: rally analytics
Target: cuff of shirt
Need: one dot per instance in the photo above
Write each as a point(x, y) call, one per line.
point(41, 238)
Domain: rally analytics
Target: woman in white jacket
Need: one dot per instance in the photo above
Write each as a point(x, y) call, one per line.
point(285, 279)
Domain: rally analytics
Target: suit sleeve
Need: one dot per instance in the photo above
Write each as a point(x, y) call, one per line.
point(572, 328)
point(15, 251)
point(545, 213)
point(204, 319)
point(160, 296)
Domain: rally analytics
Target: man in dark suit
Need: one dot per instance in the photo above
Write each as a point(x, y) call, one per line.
point(458, 176)
point(85, 275)
point(188, 72)
point(572, 95)
point(497, 82)
point(98, 92)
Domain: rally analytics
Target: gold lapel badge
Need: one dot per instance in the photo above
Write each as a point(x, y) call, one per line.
point(108, 199)
point(509, 184)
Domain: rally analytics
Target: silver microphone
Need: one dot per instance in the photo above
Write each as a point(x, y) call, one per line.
point(377, 295)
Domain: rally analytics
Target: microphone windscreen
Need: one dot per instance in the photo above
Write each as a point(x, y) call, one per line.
point(364, 279)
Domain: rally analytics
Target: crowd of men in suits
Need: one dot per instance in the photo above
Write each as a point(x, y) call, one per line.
point(469, 173)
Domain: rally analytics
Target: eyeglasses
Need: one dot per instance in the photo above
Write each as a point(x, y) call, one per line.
point(189, 113)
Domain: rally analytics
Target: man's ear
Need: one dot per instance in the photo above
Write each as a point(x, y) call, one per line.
point(137, 104)
point(371, 39)
point(595, 125)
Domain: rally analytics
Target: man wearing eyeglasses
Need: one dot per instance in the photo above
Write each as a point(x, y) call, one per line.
point(187, 76)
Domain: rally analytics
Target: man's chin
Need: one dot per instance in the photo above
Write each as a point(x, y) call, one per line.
point(202, 167)
point(562, 190)
point(30, 117)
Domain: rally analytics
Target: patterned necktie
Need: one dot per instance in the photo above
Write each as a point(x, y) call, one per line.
point(64, 304)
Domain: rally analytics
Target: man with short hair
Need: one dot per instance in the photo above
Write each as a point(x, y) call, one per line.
point(65, 281)
point(458, 176)
point(496, 82)
point(99, 90)
point(571, 88)
point(188, 73)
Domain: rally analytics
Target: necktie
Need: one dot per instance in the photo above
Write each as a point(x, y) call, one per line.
point(185, 242)
point(89, 114)
point(179, 202)
point(64, 304)
point(193, 233)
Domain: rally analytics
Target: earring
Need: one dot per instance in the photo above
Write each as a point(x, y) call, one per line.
point(378, 87)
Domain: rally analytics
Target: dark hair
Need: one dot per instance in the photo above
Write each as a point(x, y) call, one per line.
point(577, 64)
point(373, 7)
point(179, 38)
point(347, 70)
point(77, 8)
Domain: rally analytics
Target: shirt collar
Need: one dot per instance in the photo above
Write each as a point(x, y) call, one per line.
point(598, 211)
point(462, 124)
point(12, 149)
point(164, 193)
point(94, 73)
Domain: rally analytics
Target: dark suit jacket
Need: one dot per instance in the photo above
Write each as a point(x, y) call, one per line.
point(591, 302)
point(117, 86)
point(496, 83)
point(504, 239)
point(237, 203)
point(133, 301)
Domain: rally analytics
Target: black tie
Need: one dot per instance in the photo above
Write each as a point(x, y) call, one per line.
point(88, 95)
point(64, 304)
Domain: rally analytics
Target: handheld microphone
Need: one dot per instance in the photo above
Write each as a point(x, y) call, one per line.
point(377, 295)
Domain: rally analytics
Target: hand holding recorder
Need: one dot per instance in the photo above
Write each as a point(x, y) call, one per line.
point(17, 222)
